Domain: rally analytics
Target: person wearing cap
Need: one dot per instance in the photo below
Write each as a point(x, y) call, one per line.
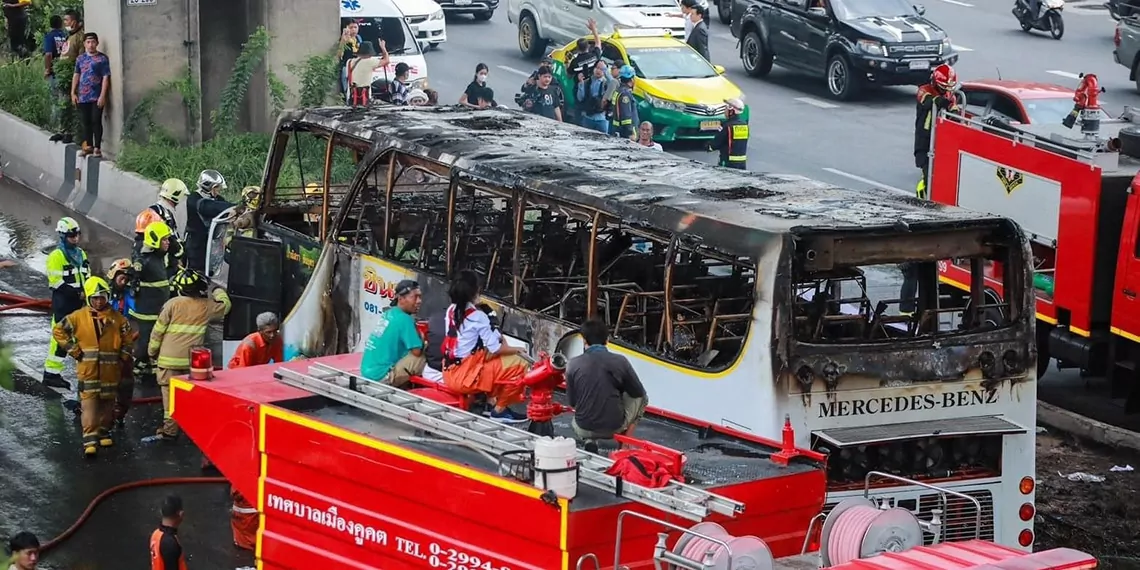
point(732, 140)
point(624, 120)
point(586, 54)
point(90, 86)
point(398, 89)
point(360, 70)
point(395, 350)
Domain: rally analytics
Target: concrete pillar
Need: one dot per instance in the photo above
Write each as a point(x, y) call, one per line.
point(150, 42)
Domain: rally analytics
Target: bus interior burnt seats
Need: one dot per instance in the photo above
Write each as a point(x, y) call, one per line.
point(297, 195)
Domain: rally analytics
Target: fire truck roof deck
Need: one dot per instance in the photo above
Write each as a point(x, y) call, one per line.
point(1071, 143)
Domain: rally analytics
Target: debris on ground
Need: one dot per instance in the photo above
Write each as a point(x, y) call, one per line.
point(1094, 518)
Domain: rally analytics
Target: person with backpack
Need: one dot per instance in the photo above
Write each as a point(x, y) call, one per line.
point(591, 99)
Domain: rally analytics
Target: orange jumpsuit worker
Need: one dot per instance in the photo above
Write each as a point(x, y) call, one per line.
point(165, 549)
point(98, 338)
point(261, 347)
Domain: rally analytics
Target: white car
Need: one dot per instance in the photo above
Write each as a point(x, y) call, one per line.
point(426, 19)
point(382, 20)
point(541, 22)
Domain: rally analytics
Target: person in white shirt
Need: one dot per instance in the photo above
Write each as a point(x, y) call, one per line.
point(645, 136)
point(360, 70)
point(687, 8)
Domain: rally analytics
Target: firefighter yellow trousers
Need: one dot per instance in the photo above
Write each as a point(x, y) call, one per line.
point(169, 427)
point(97, 406)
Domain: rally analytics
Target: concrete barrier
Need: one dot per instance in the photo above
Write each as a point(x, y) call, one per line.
point(90, 186)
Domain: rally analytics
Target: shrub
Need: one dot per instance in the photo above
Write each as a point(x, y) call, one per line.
point(25, 93)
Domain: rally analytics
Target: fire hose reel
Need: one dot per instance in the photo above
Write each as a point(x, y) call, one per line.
point(857, 529)
point(697, 551)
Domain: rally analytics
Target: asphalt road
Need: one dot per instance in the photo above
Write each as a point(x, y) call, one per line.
point(796, 128)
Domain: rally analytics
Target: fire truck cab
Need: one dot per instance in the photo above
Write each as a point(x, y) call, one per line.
point(1073, 193)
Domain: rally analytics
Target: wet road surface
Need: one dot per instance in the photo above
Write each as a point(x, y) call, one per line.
point(45, 483)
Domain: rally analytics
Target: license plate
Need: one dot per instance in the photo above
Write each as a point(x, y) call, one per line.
point(921, 64)
point(462, 2)
point(710, 125)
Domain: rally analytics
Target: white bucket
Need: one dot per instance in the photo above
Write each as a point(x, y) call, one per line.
point(555, 466)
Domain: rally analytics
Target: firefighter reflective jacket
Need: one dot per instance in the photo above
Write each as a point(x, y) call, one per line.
point(61, 271)
point(100, 342)
point(152, 288)
point(930, 101)
point(732, 142)
point(182, 326)
point(625, 119)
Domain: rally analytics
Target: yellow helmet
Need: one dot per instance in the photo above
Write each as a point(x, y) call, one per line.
point(96, 287)
point(119, 266)
point(251, 195)
point(313, 189)
point(174, 190)
point(154, 233)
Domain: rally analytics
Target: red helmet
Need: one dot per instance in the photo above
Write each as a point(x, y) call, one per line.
point(944, 78)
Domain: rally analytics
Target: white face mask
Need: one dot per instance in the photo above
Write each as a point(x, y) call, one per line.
point(482, 77)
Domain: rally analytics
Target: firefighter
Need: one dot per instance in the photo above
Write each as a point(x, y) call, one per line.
point(937, 95)
point(151, 290)
point(732, 140)
point(67, 270)
point(202, 207)
point(119, 277)
point(181, 327)
point(625, 121)
point(171, 194)
point(245, 220)
point(98, 338)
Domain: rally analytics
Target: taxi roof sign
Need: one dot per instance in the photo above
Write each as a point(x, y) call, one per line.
point(641, 33)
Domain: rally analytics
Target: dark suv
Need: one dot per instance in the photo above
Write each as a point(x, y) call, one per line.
point(850, 43)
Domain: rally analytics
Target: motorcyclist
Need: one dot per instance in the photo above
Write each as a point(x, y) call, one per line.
point(67, 270)
point(937, 95)
point(201, 208)
point(171, 194)
point(732, 140)
point(151, 285)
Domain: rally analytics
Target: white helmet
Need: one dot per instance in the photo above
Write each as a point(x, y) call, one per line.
point(67, 226)
point(210, 179)
point(173, 190)
point(417, 97)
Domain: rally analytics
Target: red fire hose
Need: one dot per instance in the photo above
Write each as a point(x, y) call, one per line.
point(118, 488)
point(9, 301)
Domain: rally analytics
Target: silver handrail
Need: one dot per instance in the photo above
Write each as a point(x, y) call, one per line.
point(675, 561)
point(589, 556)
point(942, 496)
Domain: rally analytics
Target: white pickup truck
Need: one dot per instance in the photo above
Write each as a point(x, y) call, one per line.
point(542, 22)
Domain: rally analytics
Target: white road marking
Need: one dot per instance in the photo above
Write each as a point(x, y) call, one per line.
point(513, 70)
point(864, 180)
point(957, 3)
point(817, 103)
point(961, 48)
point(1063, 74)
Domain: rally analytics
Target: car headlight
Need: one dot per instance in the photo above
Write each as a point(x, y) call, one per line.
point(437, 15)
point(660, 103)
point(420, 83)
point(946, 45)
point(871, 47)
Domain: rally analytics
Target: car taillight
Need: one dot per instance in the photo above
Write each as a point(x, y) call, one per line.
point(1026, 486)
point(1026, 512)
point(1025, 538)
point(1116, 37)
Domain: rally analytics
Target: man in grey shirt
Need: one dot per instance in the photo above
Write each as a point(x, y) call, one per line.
point(604, 390)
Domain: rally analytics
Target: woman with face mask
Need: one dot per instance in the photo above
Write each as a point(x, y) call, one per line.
point(478, 95)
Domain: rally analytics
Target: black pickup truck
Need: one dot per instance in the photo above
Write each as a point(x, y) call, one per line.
point(850, 43)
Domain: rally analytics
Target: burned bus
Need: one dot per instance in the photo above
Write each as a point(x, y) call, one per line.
point(740, 298)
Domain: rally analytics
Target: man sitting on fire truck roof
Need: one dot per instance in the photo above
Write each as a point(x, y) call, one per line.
point(604, 390)
point(395, 349)
point(476, 358)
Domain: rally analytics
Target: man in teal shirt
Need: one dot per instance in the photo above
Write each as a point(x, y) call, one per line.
point(395, 349)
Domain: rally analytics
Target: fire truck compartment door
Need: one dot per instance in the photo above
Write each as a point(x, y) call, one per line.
point(981, 425)
point(254, 285)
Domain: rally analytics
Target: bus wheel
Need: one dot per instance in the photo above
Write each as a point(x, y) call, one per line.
point(1043, 357)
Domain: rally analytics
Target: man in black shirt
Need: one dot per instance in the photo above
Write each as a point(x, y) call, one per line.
point(586, 54)
point(604, 390)
point(165, 548)
point(546, 100)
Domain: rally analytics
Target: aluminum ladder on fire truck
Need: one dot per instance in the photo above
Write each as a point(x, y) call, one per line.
point(494, 437)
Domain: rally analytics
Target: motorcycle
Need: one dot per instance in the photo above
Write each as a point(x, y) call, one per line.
point(1047, 18)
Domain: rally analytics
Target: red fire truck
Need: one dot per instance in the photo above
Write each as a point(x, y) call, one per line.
point(352, 474)
point(1072, 192)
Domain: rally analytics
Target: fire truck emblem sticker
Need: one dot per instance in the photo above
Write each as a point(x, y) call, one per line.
point(1010, 179)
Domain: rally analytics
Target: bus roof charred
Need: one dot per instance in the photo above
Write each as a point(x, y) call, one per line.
point(732, 211)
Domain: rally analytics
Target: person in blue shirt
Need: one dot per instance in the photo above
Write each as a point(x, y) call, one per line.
point(53, 46)
point(591, 99)
point(395, 349)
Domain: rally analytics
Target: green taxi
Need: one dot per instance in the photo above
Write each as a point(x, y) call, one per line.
point(676, 89)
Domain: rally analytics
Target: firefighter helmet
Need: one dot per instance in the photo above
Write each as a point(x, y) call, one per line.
point(208, 180)
point(67, 227)
point(96, 287)
point(119, 266)
point(173, 190)
point(189, 283)
point(313, 189)
point(944, 77)
point(155, 233)
point(251, 196)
